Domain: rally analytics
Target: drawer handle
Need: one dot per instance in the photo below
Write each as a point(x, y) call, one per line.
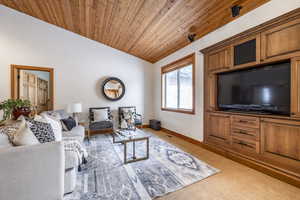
point(244, 133)
point(243, 121)
point(244, 144)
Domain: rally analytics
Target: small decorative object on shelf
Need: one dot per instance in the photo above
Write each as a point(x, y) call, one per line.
point(15, 108)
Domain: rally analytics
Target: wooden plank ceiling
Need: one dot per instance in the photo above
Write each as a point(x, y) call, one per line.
point(149, 29)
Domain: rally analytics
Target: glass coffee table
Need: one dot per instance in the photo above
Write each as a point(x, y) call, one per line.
point(128, 137)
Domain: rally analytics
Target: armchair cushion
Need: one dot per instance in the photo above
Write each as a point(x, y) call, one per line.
point(100, 115)
point(101, 125)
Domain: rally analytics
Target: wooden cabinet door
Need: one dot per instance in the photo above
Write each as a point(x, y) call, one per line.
point(220, 59)
point(295, 87)
point(211, 92)
point(281, 42)
point(218, 130)
point(280, 143)
point(246, 52)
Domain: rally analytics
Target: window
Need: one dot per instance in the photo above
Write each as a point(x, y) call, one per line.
point(178, 86)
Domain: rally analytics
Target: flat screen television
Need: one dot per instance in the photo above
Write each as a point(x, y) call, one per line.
point(263, 90)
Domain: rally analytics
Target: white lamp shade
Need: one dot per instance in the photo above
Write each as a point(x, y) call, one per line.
point(75, 108)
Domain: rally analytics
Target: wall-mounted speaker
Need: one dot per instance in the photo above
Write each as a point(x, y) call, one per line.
point(235, 10)
point(191, 37)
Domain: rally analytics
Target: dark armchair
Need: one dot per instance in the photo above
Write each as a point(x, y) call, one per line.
point(95, 125)
point(137, 117)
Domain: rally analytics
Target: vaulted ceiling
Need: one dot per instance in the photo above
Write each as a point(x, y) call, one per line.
point(149, 29)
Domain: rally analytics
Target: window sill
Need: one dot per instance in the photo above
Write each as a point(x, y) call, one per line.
point(191, 112)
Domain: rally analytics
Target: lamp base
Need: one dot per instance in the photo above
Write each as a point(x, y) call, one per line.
point(75, 116)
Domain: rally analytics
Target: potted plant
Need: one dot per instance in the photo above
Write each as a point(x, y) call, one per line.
point(15, 107)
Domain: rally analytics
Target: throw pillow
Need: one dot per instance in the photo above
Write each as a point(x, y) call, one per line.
point(10, 129)
point(24, 136)
point(42, 131)
point(55, 125)
point(100, 115)
point(63, 126)
point(69, 123)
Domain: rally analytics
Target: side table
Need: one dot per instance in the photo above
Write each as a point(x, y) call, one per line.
point(87, 129)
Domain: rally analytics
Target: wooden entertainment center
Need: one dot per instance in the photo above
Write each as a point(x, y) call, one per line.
point(269, 141)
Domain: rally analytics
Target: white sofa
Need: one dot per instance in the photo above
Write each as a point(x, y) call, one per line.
point(32, 172)
point(43, 171)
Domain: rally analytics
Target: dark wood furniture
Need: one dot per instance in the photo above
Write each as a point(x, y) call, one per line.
point(271, 142)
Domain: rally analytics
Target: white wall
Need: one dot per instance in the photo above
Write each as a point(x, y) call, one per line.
point(192, 125)
point(80, 64)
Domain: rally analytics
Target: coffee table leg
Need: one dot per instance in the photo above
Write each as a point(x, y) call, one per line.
point(89, 135)
point(147, 148)
point(125, 152)
point(134, 157)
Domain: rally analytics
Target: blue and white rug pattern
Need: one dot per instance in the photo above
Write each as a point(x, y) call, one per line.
point(106, 177)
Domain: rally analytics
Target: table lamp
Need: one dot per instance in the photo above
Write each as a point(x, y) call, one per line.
point(75, 109)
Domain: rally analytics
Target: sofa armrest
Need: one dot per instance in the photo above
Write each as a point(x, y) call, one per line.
point(32, 172)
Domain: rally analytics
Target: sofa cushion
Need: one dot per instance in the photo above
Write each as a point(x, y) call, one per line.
point(42, 131)
point(77, 133)
point(71, 160)
point(63, 114)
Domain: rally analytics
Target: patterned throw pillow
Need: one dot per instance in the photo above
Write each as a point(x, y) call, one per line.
point(69, 123)
point(10, 130)
point(42, 131)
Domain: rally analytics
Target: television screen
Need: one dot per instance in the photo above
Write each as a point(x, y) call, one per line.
point(263, 89)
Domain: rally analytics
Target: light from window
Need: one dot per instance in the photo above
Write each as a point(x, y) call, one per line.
point(178, 88)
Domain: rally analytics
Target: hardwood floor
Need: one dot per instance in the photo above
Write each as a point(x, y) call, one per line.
point(234, 182)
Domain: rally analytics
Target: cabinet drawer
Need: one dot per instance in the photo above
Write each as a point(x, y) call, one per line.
point(242, 121)
point(243, 145)
point(247, 133)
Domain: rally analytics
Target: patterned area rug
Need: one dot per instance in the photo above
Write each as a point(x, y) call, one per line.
point(106, 177)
